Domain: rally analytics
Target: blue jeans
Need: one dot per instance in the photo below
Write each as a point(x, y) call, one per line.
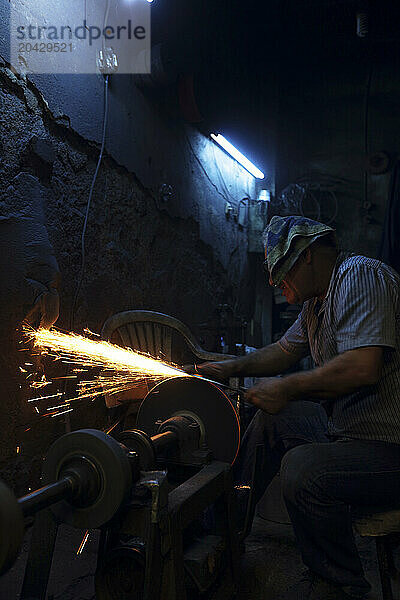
point(323, 480)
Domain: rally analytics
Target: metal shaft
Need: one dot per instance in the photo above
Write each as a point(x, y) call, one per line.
point(45, 496)
point(225, 385)
point(164, 440)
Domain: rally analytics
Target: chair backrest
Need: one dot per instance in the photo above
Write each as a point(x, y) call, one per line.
point(160, 335)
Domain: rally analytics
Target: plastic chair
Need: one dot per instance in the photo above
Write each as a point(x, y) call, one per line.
point(160, 335)
point(153, 332)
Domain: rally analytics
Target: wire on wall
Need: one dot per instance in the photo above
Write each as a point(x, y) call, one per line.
point(89, 202)
point(294, 199)
point(204, 170)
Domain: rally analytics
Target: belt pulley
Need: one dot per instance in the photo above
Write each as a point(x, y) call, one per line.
point(88, 475)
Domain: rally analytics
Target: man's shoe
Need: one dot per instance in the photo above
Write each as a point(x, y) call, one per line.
point(313, 587)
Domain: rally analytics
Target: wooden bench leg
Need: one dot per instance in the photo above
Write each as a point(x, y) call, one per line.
point(385, 561)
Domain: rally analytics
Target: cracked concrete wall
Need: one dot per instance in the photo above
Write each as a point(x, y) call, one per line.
point(130, 230)
point(180, 256)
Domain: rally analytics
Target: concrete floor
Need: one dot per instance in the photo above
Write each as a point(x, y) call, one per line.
point(270, 564)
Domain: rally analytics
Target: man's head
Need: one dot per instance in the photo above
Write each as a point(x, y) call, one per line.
point(299, 256)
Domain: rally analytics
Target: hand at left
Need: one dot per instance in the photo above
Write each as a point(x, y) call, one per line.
point(271, 394)
point(45, 311)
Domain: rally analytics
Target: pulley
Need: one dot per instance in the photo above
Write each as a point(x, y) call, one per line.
point(100, 465)
point(88, 475)
point(199, 400)
point(121, 573)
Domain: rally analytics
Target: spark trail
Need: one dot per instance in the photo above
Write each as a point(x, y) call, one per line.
point(122, 368)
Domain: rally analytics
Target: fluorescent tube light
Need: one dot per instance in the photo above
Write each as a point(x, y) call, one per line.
point(223, 142)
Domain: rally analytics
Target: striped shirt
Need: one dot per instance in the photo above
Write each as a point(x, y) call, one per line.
point(361, 308)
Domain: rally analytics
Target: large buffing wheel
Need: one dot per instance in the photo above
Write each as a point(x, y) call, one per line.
point(202, 401)
point(108, 475)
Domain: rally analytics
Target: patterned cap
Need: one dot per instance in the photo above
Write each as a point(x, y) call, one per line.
point(286, 238)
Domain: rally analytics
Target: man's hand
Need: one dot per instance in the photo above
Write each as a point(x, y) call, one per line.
point(218, 371)
point(271, 394)
point(45, 311)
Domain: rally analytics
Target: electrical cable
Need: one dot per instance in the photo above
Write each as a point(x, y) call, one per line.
point(307, 192)
point(219, 173)
point(227, 196)
point(221, 177)
point(89, 202)
point(204, 170)
point(83, 249)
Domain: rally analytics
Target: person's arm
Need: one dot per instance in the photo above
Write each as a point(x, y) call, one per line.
point(365, 310)
point(269, 360)
point(342, 375)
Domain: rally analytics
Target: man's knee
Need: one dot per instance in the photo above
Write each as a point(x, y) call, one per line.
point(301, 468)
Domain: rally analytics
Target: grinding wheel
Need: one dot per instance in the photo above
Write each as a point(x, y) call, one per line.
point(111, 464)
point(201, 400)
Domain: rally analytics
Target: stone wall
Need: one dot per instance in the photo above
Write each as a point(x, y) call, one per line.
point(175, 253)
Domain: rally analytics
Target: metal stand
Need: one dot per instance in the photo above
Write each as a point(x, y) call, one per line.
point(40, 556)
point(162, 523)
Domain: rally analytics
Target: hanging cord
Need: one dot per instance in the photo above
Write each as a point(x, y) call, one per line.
point(67, 420)
point(88, 206)
point(226, 198)
point(89, 202)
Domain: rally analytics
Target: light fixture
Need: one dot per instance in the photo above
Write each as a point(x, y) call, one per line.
point(223, 142)
point(264, 196)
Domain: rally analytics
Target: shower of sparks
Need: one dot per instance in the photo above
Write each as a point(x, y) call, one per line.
point(59, 406)
point(46, 397)
point(83, 543)
point(87, 330)
point(123, 369)
point(57, 414)
point(40, 384)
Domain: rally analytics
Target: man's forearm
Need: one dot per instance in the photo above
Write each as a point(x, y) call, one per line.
point(268, 361)
point(342, 375)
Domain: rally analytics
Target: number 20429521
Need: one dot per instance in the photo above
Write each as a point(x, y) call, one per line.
point(43, 47)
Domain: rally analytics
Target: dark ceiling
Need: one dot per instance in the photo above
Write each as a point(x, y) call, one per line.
point(239, 52)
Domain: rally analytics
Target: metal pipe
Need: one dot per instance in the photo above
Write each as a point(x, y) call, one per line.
point(164, 440)
point(225, 385)
point(45, 496)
